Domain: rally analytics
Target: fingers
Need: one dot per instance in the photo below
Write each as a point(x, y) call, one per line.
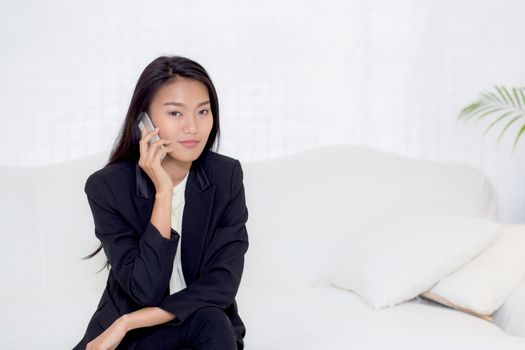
point(143, 144)
point(156, 150)
point(161, 152)
point(149, 152)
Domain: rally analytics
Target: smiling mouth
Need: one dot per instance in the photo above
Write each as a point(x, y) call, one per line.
point(189, 144)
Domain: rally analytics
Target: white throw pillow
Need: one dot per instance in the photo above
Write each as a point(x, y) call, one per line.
point(483, 284)
point(511, 315)
point(405, 257)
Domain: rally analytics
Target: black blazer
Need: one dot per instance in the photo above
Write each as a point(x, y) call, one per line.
point(121, 197)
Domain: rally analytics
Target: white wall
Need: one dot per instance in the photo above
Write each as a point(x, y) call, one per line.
point(291, 75)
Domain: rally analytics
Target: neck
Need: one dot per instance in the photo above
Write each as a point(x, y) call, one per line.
point(176, 169)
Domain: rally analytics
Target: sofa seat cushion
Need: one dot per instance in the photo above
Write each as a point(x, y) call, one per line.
point(330, 318)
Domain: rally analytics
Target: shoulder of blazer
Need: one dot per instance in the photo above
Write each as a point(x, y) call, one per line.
point(111, 174)
point(217, 166)
point(224, 172)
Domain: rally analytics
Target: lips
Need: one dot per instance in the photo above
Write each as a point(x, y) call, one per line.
point(189, 143)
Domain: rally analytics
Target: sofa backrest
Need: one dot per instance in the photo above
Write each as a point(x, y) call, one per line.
point(48, 227)
point(305, 206)
point(301, 207)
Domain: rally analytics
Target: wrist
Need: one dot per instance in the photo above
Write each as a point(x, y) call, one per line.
point(163, 194)
point(124, 322)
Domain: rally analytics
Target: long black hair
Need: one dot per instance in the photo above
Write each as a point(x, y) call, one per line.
point(155, 75)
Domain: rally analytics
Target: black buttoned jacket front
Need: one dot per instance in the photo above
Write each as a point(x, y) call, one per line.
point(121, 197)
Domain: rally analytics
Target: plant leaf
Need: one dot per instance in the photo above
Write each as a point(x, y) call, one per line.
point(501, 105)
point(507, 126)
point(518, 100)
point(476, 110)
point(518, 137)
point(502, 94)
point(497, 120)
point(495, 109)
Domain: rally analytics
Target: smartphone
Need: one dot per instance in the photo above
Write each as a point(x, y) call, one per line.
point(145, 123)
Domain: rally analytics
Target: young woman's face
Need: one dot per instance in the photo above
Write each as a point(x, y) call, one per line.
point(181, 110)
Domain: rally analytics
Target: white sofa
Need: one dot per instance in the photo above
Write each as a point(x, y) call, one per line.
point(301, 208)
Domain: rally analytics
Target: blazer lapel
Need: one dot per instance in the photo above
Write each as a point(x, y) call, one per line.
point(195, 221)
point(198, 197)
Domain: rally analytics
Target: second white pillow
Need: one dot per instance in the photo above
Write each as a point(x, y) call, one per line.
point(483, 284)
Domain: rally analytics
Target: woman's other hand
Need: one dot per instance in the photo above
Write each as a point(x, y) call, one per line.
point(150, 160)
point(110, 338)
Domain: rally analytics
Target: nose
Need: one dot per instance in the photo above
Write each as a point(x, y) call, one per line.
point(190, 126)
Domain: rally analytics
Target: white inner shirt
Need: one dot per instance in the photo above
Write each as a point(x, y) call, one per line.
point(177, 281)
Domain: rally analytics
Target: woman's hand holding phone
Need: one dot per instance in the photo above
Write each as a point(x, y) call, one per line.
point(150, 160)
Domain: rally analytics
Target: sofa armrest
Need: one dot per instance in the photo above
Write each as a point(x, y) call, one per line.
point(511, 315)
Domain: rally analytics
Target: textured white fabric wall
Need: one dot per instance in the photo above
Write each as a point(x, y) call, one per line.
point(291, 75)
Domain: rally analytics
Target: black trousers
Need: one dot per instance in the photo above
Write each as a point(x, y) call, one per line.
point(206, 329)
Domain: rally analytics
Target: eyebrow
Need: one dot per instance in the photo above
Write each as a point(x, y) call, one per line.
point(183, 105)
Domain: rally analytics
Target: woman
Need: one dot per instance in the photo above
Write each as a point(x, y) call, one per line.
point(164, 291)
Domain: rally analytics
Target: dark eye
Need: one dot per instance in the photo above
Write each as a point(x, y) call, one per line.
point(174, 113)
point(205, 111)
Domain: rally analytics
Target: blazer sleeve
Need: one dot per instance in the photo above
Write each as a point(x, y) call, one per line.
point(223, 260)
point(141, 262)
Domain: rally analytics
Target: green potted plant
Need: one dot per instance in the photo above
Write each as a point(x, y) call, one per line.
point(503, 105)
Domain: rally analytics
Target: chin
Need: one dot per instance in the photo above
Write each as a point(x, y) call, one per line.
point(185, 157)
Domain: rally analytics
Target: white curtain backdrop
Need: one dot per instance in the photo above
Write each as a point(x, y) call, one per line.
point(291, 75)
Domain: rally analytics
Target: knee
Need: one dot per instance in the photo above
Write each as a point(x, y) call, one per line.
point(213, 319)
